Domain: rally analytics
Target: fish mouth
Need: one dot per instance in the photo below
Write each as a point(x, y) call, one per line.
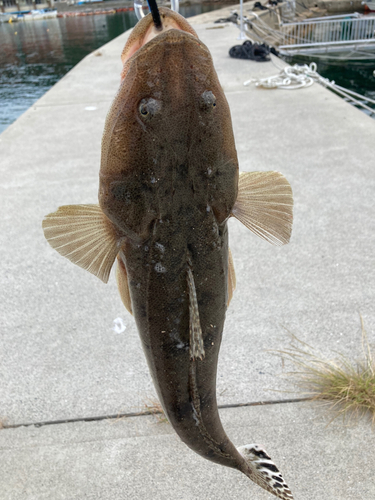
point(145, 31)
point(169, 46)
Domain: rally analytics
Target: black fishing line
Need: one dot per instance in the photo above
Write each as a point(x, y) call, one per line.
point(152, 5)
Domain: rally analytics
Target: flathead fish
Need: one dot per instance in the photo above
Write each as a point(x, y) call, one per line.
point(169, 182)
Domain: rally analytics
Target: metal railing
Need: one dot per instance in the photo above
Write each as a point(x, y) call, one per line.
point(320, 32)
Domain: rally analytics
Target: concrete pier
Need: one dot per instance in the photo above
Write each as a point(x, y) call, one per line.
point(61, 358)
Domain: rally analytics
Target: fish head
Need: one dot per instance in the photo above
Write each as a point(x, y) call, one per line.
point(145, 31)
point(170, 120)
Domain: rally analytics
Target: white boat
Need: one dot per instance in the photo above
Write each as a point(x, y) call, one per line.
point(40, 14)
point(8, 18)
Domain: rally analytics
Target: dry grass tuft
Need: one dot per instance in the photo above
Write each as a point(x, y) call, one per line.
point(347, 387)
point(154, 407)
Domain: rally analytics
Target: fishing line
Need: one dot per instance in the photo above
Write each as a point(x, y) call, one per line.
point(154, 11)
point(152, 5)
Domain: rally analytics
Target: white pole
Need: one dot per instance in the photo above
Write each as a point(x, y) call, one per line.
point(242, 35)
point(138, 9)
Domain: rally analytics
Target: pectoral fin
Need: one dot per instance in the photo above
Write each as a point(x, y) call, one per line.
point(265, 205)
point(85, 236)
point(123, 285)
point(231, 277)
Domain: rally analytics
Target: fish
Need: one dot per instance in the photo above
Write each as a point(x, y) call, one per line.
point(169, 181)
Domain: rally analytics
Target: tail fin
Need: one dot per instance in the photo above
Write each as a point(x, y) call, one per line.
point(262, 470)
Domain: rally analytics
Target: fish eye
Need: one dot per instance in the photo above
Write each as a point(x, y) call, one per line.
point(148, 108)
point(207, 101)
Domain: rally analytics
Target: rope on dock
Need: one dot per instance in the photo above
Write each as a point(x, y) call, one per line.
point(301, 76)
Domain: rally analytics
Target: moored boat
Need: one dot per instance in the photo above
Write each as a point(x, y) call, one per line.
point(40, 14)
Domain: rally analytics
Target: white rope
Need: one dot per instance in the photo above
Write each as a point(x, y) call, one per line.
point(289, 78)
point(301, 76)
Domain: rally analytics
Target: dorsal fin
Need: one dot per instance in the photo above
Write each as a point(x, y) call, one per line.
point(196, 335)
point(85, 236)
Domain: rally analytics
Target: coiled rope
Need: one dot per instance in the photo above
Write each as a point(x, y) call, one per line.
point(301, 76)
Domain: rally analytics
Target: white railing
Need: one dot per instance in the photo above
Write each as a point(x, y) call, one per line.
point(341, 30)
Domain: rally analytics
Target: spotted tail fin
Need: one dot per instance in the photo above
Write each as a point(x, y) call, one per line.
point(262, 470)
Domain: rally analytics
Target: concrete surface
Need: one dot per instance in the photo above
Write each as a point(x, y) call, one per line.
point(60, 357)
point(141, 458)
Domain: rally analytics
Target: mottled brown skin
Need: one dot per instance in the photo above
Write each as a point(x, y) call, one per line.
point(169, 182)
